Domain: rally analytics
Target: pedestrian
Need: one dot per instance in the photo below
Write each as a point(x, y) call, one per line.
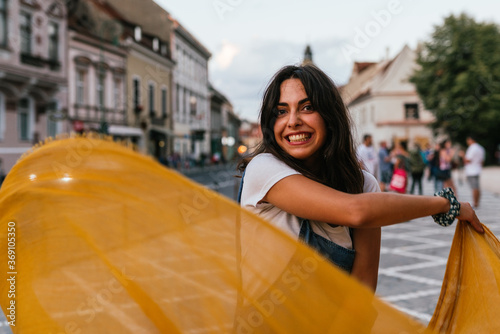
point(417, 167)
point(385, 166)
point(427, 154)
point(401, 151)
point(367, 155)
point(446, 155)
point(434, 171)
point(305, 178)
point(399, 180)
point(474, 160)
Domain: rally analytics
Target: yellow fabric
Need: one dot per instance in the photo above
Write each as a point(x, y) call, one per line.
point(470, 295)
point(109, 241)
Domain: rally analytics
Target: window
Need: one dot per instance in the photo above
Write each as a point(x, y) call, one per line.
point(192, 105)
point(80, 87)
point(156, 44)
point(3, 22)
point(164, 102)
point(137, 34)
point(53, 41)
point(2, 116)
point(25, 30)
point(52, 124)
point(411, 111)
point(117, 96)
point(163, 49)
point(101, 80)
point(151, 99)
point(136, 86)
point(25, 119)
point(177, 111)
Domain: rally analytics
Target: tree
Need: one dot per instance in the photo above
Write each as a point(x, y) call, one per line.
point(458, 80)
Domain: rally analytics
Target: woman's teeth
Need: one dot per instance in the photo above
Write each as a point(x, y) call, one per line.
point(299, 137)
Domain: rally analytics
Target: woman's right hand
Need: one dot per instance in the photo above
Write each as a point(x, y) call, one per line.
point(468, 214)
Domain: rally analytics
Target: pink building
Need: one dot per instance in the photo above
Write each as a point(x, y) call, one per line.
point(33, 71)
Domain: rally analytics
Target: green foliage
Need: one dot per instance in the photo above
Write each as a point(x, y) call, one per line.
point(458, 79)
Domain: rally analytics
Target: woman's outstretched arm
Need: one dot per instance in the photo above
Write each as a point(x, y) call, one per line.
point(303, 197)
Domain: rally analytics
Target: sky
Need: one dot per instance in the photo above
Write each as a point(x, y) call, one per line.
point(250, 40)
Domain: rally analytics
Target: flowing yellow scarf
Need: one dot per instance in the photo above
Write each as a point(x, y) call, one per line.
point(101, 239)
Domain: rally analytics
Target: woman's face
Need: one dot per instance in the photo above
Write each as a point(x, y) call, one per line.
point(299, 129)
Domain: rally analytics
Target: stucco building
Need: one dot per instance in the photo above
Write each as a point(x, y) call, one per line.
point(385, 104)
point(224, 127)
point(147, 38)
point(97, 71)
point(192, 99)
point(33, 72)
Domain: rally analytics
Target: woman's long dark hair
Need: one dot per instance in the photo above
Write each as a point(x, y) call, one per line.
point(340, 168)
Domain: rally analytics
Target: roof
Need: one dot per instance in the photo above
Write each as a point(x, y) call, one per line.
point(179, 29)
point(152, 18)
point(360, 81)
point(363, 77)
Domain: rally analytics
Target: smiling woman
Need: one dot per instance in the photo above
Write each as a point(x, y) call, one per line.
point(305, 177)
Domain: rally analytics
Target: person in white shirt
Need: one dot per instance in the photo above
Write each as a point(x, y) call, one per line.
point(305, 178)
point(474, 160)
point(367, 155)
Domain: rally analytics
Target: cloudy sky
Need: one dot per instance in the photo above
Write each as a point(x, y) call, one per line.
point(251, 39)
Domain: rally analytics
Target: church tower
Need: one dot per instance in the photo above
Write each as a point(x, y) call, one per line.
point(308, 57)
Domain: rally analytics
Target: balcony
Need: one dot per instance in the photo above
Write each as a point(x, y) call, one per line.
point(157, 120)
point(37, 61)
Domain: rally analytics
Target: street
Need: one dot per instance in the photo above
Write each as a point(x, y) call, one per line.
point(413, 254)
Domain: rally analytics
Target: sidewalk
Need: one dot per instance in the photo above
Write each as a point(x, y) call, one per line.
point(490, 179)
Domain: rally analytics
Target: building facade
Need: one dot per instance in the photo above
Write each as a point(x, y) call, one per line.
point(224, 127)
point(192, 100)
point(33, 70)
point(110, 66)
point(385, 104)
point(146, 34)
point(97, 71)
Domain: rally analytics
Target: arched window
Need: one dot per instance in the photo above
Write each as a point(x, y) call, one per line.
point(25, 119)
point(3, 23)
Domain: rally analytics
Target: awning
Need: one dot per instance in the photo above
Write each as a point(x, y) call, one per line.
point(127, 131)
point(165, 131)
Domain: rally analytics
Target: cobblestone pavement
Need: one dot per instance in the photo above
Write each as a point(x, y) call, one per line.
point(414, 254)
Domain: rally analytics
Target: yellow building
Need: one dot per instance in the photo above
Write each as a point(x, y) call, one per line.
point(147, 31)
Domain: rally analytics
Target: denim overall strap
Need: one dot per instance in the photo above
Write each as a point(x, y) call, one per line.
point(241, 188)
point(340, 256)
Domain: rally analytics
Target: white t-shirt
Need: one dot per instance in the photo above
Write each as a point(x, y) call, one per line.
point(369, 158)
point(475, 153)
point(264, 171)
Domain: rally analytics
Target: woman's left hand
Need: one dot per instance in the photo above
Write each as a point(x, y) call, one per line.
point(468, 214)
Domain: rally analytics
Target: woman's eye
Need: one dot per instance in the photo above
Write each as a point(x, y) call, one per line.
point(280, 112)
point(308, 107)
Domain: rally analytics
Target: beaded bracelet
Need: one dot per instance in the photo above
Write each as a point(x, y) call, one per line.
point(446, 219)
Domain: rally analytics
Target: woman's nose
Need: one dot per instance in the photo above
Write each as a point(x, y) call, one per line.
point(294, 119)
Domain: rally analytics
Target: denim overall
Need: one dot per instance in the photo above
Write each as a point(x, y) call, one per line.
point(340, 256)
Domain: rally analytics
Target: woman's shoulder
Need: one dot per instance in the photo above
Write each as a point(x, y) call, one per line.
point(371, 184)
point(265, 159)
point(267, 164)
